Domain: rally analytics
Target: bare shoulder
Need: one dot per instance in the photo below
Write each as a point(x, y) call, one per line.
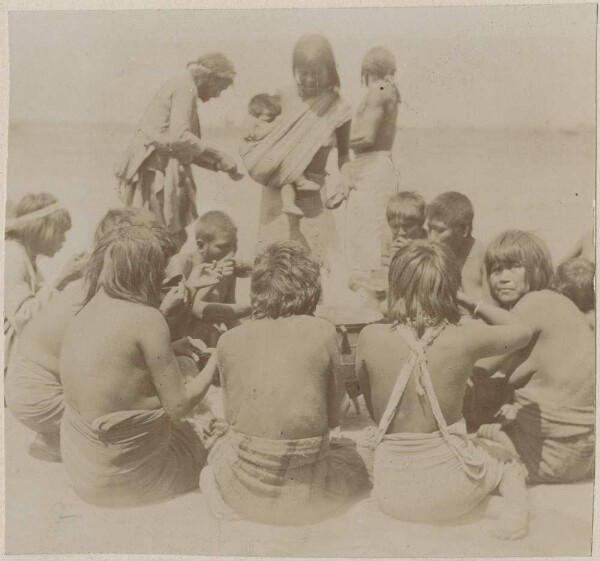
point(536, 300)
point(381, 92)
point(147, 318)
point(323, 325)
point(373, 332)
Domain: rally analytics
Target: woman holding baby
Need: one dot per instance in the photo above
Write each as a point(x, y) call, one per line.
point(313, 119)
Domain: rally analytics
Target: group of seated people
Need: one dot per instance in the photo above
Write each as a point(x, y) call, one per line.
point(108, 368)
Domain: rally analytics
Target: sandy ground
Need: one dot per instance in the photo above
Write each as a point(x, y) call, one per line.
point(43, 514)
point(548, 179)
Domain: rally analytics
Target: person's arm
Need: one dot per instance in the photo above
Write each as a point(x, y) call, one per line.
point(342, 135)
point(215, 312)
point(362, 373)
point(336, 386)
point(184, 144)
point(175, 397)
point(21, 302)
point(505, 332)
point(366, 126)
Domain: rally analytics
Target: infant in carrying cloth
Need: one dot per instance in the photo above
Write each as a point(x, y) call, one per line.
point(264, 111)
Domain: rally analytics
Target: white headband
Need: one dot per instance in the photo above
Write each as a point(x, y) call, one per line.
point(35, 215)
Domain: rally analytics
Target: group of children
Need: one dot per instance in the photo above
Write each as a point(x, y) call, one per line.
point(106, 368)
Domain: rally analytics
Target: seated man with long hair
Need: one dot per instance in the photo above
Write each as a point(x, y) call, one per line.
point(33, 389)
point(551, 421)
point(413, 374)
point(282, 390)
point(122, 439)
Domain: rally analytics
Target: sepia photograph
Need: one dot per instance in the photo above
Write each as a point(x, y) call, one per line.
point(301, 282)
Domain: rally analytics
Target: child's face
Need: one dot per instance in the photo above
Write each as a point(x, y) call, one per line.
point(452, 236)
point(216, 248)
point(409, 225)
point(507, 283)
point(266, 116)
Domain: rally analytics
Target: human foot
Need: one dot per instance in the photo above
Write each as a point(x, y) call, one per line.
point(513, 520)
point(335, 200)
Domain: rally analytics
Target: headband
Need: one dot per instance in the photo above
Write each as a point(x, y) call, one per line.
point(226, 75)
point(35, 215)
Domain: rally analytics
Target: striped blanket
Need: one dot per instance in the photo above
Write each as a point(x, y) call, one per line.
point(281, 481)
point(285, 152)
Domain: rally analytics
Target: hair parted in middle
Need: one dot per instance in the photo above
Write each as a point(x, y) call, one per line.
point(312, 50)
point(129, 262)
point(286, 281)
point(515, 247)
point(424, 278)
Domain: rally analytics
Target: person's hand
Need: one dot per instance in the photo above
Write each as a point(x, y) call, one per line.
point(226, 266)
point(507, 414)
point(203, 276)
point(398, 244)
point(72, 270)
point(229, 166)
point(176, 299)
point(192, 348)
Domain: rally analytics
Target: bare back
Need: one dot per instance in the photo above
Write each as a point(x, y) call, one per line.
point(281, 378)
point(101, 363)
point(42, 338)
point(559, 364)
point(381, 352)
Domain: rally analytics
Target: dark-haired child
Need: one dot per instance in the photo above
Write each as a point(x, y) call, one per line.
point(216, 246)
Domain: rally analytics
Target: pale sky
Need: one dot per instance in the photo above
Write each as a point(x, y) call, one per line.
point(504, 66)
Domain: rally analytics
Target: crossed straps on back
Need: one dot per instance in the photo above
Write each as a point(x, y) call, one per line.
point(417, 358)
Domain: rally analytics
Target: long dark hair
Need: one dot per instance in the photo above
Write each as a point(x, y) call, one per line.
point(424, 278)
point(128, 262)
point(313, 50)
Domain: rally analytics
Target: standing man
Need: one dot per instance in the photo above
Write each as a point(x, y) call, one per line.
point(156, 172)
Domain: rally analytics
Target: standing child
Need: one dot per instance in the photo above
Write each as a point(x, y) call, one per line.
point(264, 110)
point(405, 214)
point(450, 220)
point(551, 422)
point(413, 374)
point(216, 243)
